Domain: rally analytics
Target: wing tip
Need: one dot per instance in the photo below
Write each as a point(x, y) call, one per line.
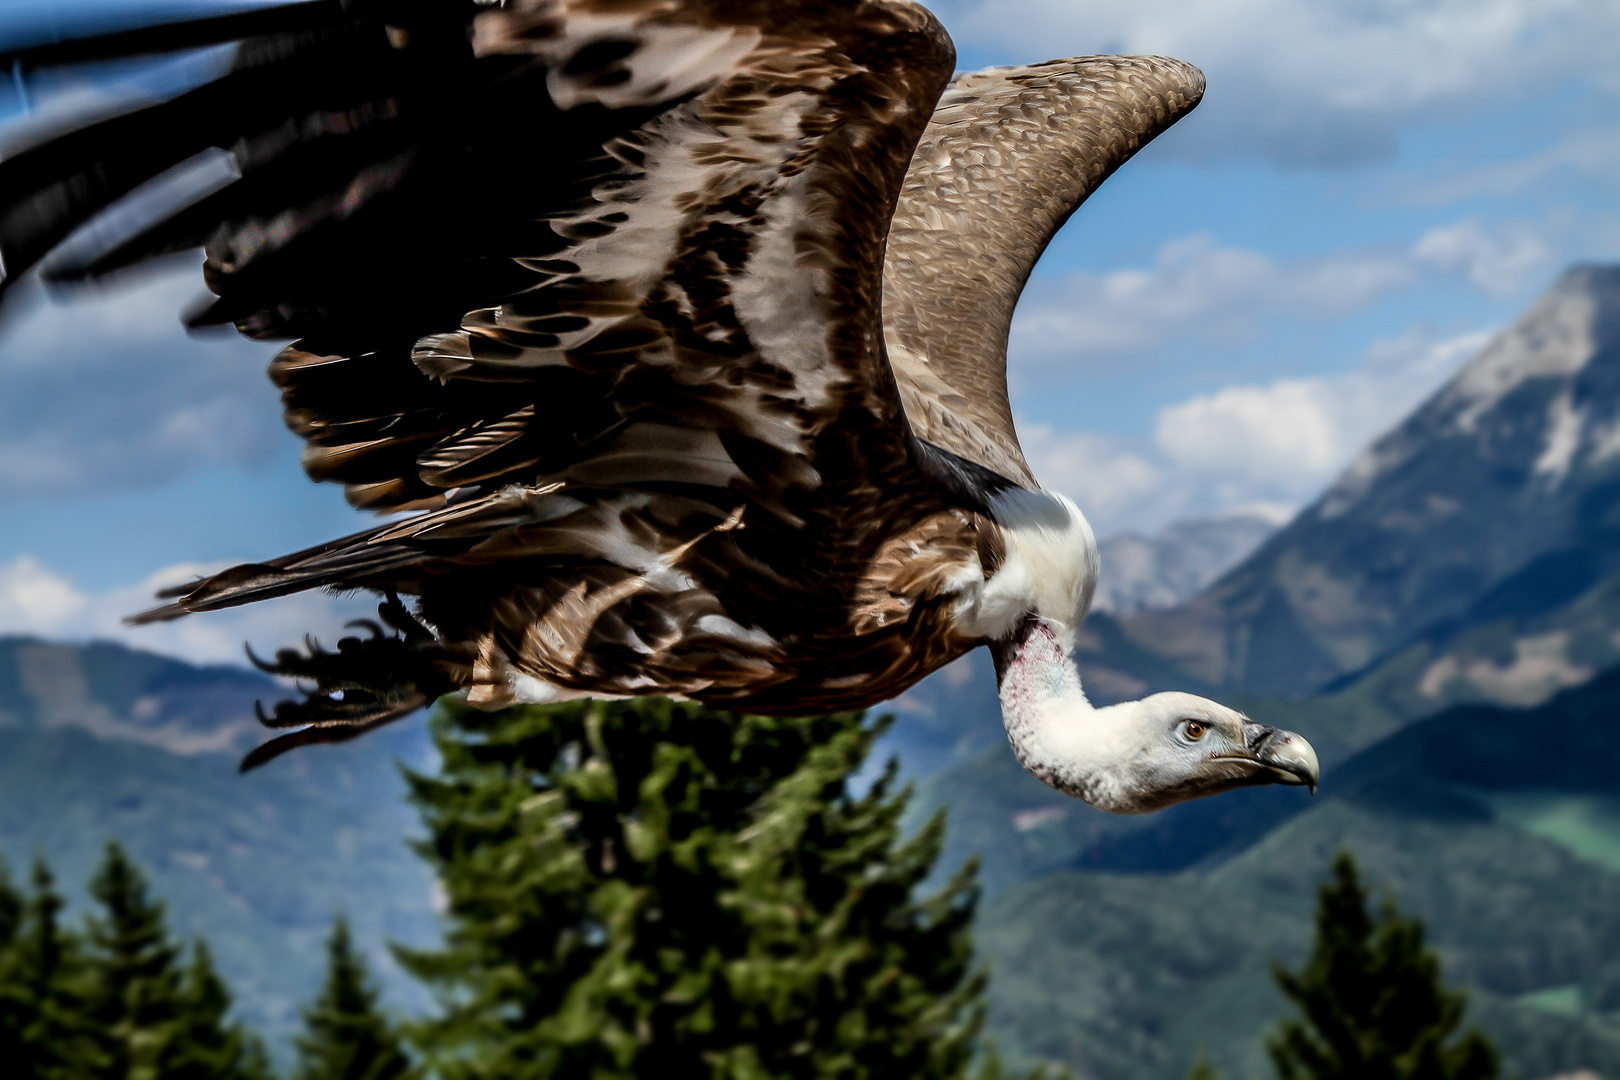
point(1170, 73)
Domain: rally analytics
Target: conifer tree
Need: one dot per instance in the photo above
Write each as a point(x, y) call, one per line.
point(203, 1044)
point(11, 909)
point(1373, 1003)
point(151, 1016)
point(44, 1032)
point(346, 1036)
point(654, 888)
point(15, 1004)
point(134, 988)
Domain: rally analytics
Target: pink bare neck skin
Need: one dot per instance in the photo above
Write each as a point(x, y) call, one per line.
point(1133, 757)
point(1034, 674)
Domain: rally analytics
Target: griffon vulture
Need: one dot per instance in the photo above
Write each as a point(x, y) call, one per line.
point(671, 333)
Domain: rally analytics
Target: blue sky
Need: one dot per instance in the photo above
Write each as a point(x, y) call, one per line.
point(1370, 188)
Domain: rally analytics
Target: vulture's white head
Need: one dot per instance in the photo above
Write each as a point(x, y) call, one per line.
point(1128, 758)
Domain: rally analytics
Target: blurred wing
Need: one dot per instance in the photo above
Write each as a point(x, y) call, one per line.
point(1009, 155)
point(630, 249)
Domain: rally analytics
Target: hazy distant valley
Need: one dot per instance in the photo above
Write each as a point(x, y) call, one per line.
point(1173, 565)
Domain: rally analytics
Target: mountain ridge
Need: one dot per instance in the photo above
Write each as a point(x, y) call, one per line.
point(1413, 533)
point(115, 692)
point(1172, 565)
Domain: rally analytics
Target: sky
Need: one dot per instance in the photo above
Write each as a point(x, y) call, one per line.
point(1369, 190)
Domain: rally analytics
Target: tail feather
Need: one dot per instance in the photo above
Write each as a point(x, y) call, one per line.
point(346, 563)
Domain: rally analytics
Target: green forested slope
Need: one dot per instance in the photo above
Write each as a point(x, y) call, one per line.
point(1119, 945)
point(259, 864)
point(1501, 828)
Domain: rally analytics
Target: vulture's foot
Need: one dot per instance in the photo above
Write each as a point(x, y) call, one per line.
point(366, 683)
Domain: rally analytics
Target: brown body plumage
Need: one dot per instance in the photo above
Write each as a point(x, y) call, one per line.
point(602, 299)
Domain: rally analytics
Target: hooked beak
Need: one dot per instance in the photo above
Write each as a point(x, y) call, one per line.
point(1290, 759)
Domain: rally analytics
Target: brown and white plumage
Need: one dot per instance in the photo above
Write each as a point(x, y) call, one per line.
point(597, 290)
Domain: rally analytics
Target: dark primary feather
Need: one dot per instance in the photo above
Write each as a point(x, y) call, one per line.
point(595, 289)
point(53, 185)
point(118, 32)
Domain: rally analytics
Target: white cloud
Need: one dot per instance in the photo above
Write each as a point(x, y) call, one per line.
point(1276, 432)
point(1500, 263)
point(106, 391)
point(1288, 438)
point(1111, 480)
point(1592, 154)
point(1327, 83)
point(34, 599)
point(32, 596)
point(1198, 291)
point(1275, 444)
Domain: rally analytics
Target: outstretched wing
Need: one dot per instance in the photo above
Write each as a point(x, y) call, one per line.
point(1009, 155)
point(578, 277)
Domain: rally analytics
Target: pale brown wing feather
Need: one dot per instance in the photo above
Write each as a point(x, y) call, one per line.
point(1009, 154)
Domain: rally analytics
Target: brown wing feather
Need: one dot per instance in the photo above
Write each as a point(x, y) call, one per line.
point(666, 407)
point(1009, 155)
point(700, 305)
point(601, 294)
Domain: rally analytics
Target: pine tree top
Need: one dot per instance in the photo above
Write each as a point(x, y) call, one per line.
point(203, 1044)
point(43, 1030)
point(1373, 1003)
point(346, 1036)
point(114, 1002)
point(131, 938)
point(11, 907)
point(653, 885)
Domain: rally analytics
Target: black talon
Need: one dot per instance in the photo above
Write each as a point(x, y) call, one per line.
point(367, 682)
point(316, 733)
point(398, 617)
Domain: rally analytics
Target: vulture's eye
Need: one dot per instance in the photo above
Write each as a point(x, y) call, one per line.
point(1194, 730)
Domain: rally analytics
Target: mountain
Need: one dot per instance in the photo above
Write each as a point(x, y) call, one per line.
point(1498, 500)
point(1500, 827)
point(1470, 555)
point(102, 742)
point(1162, 570)
point(116, 693)
point(1477, 819)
